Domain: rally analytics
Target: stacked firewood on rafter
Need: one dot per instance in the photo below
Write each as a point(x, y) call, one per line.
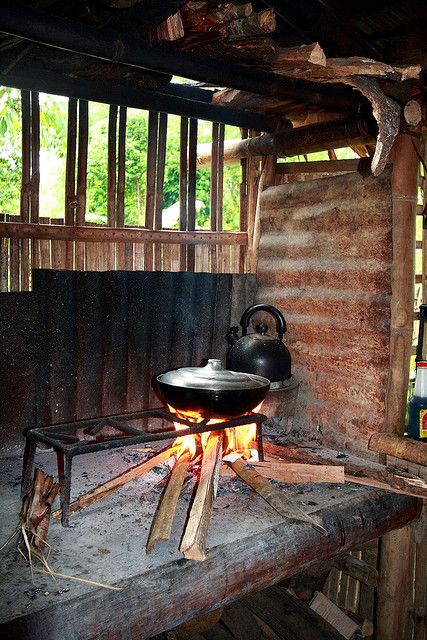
point(236, 33)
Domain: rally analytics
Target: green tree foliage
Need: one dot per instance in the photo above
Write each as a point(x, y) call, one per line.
point(10, 150)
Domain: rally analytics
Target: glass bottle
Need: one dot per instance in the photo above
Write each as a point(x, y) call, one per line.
point(417, 422)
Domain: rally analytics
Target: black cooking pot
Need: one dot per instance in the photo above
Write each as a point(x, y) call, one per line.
point(212, 391)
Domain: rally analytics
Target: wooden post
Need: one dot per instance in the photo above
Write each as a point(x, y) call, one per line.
point(404, 195)
point(396, 548)
point(394, 600)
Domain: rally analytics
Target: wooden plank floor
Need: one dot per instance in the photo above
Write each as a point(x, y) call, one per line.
point(249, 547)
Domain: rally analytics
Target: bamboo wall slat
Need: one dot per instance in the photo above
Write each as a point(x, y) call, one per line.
point(22, 252)
point(191, 198)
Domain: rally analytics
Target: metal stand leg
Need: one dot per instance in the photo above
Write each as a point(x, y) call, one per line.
point(64, 476)
point(260, 442)
point(28, 465)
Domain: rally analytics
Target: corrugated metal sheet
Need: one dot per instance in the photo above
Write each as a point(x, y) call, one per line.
point(324, 260)
point(89, 343)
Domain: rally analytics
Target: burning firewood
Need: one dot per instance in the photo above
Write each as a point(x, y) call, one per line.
point(273, 496)
point(194, 540)
point(106, 489)
point(162, 522)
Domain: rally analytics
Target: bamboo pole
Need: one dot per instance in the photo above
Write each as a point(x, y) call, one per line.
point(124, 234)
point(82, 177)
point(191, 198)
point(70, 177)
point(394, 445)
point(306, 139)
point(404, 201)
point(150, 189)
point(183, 188)
point(25, 183)
point(396, 548)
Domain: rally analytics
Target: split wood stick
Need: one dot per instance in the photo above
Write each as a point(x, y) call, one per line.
point(106, 489)
point(273, 496)
point(193, 545)
point(162, 522)
point(398, 484)
point(294, 473)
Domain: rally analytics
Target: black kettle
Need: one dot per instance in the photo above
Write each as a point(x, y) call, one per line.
point(260, 353)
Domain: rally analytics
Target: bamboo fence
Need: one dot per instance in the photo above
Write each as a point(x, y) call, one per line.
point(30, 240)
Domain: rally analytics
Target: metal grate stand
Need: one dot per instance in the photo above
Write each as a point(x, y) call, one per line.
point(102, 434)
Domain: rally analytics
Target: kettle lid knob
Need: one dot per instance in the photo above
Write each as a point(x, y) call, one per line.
point(261, 328)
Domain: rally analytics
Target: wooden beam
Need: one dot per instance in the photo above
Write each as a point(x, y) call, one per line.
point(183, 102)
point(127, 234)
point(392, 444)
point(311, 138)
point(323, 166)
point(60, 33)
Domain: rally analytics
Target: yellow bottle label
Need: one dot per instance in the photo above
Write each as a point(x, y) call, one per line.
point(423, 423)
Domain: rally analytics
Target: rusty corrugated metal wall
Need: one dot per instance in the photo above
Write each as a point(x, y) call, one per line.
point(324, 260)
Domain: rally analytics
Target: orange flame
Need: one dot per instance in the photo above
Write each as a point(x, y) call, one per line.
point(237, 439)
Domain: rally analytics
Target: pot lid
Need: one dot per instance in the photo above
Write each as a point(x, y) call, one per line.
point(212, 376)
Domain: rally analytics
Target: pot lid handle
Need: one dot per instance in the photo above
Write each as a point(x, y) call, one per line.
point(280, 320)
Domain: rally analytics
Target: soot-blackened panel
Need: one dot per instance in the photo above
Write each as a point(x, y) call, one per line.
point(107, 334)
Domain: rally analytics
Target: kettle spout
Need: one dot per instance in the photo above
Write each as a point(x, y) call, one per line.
point(232, 336)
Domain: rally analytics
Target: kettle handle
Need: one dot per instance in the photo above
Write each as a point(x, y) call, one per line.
point(280, 320)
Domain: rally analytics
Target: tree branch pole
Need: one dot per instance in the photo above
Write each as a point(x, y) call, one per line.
point(78, 37)
point(322, 136)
